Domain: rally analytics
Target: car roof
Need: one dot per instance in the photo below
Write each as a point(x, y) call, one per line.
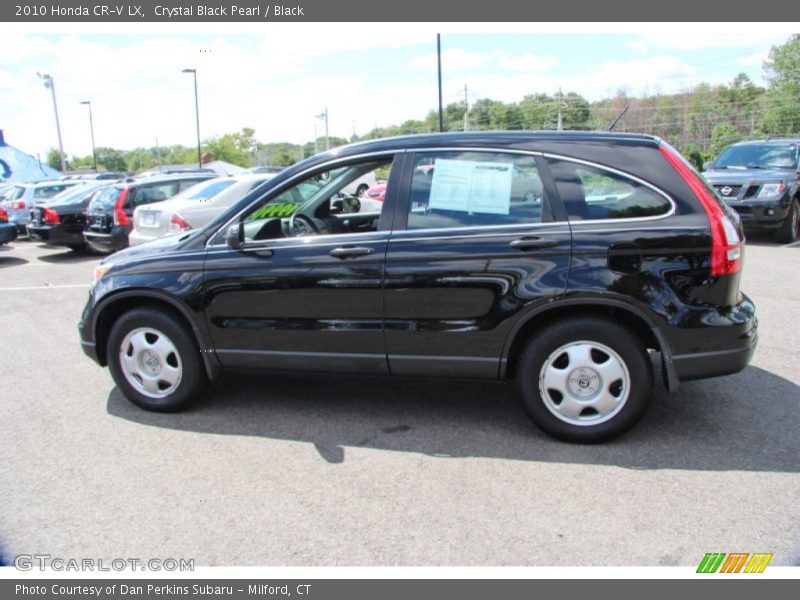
point(166, 179)
point(768, 142)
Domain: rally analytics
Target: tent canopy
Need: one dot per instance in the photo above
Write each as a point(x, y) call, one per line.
point(18, 167)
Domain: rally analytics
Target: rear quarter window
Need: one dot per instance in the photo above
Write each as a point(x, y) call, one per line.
point(153, 192)
point(593, 193)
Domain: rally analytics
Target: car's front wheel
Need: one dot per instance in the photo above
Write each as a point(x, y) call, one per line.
point(585, 380)
point(154, 360)
point(790, 228)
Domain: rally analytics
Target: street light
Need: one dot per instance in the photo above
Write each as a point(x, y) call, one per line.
point(50, 84)
point(197, 115)
point(91, 130)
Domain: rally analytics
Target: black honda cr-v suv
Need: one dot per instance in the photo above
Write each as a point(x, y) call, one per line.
point(579, 265)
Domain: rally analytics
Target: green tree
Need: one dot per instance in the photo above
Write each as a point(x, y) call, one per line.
point(54, 159)
point(723, 135)
point(111, 159)
point(782, 101)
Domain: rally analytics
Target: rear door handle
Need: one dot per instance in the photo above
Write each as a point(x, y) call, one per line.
point(533, 243)
point(351, 252)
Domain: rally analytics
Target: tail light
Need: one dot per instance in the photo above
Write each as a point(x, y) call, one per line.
point(50, 216)
point(726, 244)
point(17, 205)
point(120, 218)
point(3, 216)
point(176, 223)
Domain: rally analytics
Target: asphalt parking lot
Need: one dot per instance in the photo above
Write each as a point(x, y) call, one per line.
point(314, 471)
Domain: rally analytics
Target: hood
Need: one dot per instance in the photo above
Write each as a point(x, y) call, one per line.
point(745, 175)
point(148, 249)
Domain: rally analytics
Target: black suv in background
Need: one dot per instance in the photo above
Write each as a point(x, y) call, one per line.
point(579, 265)
point(108, 216)
point(759, 180)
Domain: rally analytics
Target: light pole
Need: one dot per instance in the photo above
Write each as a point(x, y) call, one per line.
point(50, 84)
point(197, 115)
point(324, 115)
point(91, 130)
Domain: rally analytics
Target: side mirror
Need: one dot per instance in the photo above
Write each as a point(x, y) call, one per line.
point(233, 237)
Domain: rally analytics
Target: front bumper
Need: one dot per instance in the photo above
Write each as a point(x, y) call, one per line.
point(761, 214)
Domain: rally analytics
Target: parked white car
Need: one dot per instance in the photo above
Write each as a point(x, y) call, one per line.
point(360, 185)
point(192, 208)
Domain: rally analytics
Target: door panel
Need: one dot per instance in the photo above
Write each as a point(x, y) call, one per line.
point(454, 292)
point(308, 297)
point(294, 305)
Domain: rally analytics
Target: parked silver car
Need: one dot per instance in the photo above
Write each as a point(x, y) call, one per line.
point(192, 208)
point(19, 201)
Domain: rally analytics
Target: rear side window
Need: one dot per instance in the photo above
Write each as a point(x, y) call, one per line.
point(209, 190)
point(591, 193)
point(185, 184)
point(105, 198)
point(48, 192)
point(467, 189)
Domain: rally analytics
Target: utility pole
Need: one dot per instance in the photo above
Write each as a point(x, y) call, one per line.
point(466, 108)
point(324, 115)
point(560, 125)
point(91, 130)
point(158, 154)
point(439, 63)
point(196, 116)
point(316, 144)
point(50, 84)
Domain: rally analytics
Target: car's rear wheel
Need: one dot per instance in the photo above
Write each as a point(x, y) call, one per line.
point(790, 228)
point(154, 360)
point(585, 380)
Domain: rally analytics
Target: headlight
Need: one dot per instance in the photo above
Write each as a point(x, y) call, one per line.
point(771, 189)
point(99, 271)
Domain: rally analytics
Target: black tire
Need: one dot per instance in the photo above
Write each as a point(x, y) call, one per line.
point(570, 332)
point(790, 228)
point(77, 247)
point(193, 379)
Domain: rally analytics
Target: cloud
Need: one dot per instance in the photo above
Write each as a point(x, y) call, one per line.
point(716, 35)
point(455, 59)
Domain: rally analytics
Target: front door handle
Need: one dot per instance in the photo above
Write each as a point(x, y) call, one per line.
point(351, 252)
point(533, 243)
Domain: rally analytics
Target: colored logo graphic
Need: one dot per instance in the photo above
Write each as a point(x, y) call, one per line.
point(735, 562)
point(5, 170)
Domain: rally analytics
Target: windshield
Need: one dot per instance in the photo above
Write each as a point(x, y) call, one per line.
point(758, 156)
point(74, 195)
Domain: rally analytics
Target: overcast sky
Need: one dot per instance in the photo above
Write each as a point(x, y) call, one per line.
point(276, 79)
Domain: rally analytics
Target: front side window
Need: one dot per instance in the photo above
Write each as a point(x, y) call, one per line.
point(591, 193)
point(320, 204)
point(467, 189)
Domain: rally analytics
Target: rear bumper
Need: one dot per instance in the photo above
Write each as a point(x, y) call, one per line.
point(733, 357)
point(117, 239)
point(8, 232)
point(55, 235)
